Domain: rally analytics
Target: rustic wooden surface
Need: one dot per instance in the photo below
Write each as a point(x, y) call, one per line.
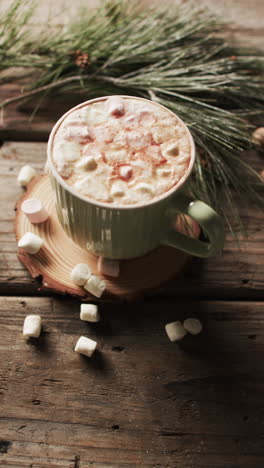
point(237, 273)
point(142, 401)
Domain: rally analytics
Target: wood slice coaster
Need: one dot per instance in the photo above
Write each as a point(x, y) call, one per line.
point(55, 260)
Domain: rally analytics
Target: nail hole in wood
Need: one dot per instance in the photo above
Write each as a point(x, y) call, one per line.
point(245, 281)
point(5, 446)
point(115, 427)
point(36, 402)
point(118, 349)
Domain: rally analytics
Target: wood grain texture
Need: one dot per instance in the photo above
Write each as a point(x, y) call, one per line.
point(238, 272)
point(142, 400)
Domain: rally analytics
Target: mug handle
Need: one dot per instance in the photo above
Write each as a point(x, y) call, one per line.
point(210, 222)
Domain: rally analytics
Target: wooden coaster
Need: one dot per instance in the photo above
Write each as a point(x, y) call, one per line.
point(55, 260)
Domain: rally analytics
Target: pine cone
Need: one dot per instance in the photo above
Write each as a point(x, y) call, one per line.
point(82, 59)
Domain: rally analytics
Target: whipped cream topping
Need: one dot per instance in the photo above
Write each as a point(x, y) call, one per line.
point(121, 151)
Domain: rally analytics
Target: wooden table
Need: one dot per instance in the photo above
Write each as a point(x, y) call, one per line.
point(142, 401)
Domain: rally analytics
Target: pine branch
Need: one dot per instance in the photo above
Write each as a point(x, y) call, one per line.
point(175, 57)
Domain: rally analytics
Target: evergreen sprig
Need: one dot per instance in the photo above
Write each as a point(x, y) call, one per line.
point(174, 56)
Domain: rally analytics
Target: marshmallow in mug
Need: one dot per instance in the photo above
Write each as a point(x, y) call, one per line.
point(135, 152)
point(34, 210)
point(126, 172)
point(115, 106)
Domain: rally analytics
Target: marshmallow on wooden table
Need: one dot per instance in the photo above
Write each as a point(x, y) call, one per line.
point(34, 210)
point(175, 331)
point(108, 267)
point(30, 242)
point(115, 106)
point(25, 175)
point(89, 313)
point(95, 286)
point(32, 326)
point(80, 274)
point(85, 346)
point(193, 326)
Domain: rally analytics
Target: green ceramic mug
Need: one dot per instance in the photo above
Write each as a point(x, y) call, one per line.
point(123, 232)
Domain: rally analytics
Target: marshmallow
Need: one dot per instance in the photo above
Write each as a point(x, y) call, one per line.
point(115, 106)
point(131, 121)
point(175, 331)
point(32, 326)
point(78, 132)
point(104, 133)
point(163, 171)
point(96, 116)
point(193, 326)
point(138, 139)
point(116, 156)
point(88, 163)
point(30, 242)
point(95, 286)
point(118, 189)
point(64, 169)
point(85, 346)
point(66, 152)
point(25, 175)
point(89, 313)
point(172, 150)
point(144, 187)
point(162, 133)
point(90, 185)
point(120, 140)
point(126, 172)
point(80, 274)
point(108, 267)
point(146, 118)
point(34, 211)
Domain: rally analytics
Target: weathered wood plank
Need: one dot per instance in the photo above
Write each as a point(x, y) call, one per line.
point(142, 401)
point(237, 273)
point(17, 122)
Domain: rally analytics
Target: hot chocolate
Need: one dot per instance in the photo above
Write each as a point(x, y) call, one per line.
point(121, 151)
